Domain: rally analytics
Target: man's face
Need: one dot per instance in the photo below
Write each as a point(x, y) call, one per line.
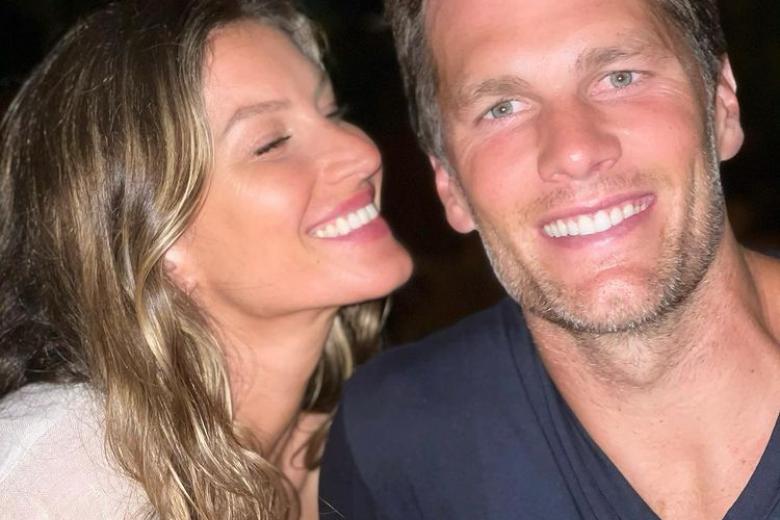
point(579, 150)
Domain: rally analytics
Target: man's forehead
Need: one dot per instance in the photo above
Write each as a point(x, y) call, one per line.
point(488, 6)
point(463, 31)
point(447, 16)
point(485, 48)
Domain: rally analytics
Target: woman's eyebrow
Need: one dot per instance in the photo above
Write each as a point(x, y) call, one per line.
point(254, 109)
point(274, 105)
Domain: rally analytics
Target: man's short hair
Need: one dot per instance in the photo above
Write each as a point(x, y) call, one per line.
point(695, 23)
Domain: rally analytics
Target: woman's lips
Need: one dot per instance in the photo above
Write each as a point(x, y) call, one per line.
point(347, 223)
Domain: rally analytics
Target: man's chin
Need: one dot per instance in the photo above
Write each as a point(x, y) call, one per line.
point(622, 311)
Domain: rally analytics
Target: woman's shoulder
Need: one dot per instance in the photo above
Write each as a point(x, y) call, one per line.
point(53, 457)
point(41, 413)
point(46, 415)
point(44, 401)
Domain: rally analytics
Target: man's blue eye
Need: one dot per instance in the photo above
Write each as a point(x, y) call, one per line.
point(503, 109)
point(621, 79)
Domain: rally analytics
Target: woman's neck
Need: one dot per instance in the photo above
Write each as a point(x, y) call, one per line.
point(270, 363)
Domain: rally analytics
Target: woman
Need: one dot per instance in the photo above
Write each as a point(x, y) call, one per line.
point(188, 229)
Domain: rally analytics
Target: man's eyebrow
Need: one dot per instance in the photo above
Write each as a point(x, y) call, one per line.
point(502, 86)
point(466, 95)
point(599, 57)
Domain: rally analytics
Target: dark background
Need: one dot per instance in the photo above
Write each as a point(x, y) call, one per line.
point(452, 277)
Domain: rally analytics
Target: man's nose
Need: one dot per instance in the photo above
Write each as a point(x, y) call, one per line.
point(346, 151)
point(575, 142)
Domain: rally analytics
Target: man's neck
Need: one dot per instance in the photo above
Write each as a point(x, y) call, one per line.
point(648, 399)
point(736, 303)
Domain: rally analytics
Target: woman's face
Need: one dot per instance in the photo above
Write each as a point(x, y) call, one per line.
point(289, 221)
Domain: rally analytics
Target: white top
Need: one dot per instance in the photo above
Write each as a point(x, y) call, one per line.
point(53, 463)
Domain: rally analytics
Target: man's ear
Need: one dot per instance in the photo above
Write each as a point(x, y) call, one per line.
point(728, 129)
point(451, 195)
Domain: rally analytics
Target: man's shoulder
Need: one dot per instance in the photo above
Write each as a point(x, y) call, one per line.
point(442, 367)
point(459, 345)
point(765, 270)
point(409, 416)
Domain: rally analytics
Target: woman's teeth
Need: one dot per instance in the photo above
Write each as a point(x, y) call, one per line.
point(348, 223)
point(598, 222)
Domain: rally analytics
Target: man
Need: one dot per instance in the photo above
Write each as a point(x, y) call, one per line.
point(639, 376)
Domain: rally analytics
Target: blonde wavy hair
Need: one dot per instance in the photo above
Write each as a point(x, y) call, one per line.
point(104, 157)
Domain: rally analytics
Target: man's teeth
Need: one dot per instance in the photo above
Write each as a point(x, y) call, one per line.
point(598, 222)
point(348, 223)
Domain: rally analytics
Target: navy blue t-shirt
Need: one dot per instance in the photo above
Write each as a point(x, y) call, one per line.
point(468, 425)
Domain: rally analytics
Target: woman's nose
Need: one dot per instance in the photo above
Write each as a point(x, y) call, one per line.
point(346, 151)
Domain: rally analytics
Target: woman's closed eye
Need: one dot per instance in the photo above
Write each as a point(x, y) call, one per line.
point(272, 145)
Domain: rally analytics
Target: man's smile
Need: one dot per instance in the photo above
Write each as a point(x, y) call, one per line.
point(599, 221)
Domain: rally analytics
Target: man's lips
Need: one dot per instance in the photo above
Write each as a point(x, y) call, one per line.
point(591, 221)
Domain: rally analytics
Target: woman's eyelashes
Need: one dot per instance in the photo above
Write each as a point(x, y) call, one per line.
point(272, 145)
point(336, 114)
